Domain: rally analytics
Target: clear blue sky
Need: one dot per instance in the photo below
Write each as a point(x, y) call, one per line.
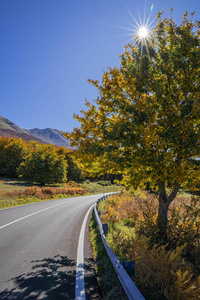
point(49, 48)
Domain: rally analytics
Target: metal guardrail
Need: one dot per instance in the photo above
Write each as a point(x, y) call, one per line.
point(128, 285)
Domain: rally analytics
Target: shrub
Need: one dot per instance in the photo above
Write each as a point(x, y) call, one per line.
point(104, 182)
point(120, 207)
point(43, 165)
point(163, 274)
point(45, 192)
point(185, 229)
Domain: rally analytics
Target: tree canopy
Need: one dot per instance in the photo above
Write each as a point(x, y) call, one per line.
point(11, 155)
point(26, 158)
point(43, 165)
point(146, 121)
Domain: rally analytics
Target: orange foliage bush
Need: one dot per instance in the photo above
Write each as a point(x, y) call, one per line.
point(124, 206)
point(169, 271)
point(45, 192)
point(163, 274)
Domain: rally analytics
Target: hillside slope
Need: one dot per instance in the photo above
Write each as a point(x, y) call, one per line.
point(6, 124)
point(10, 129)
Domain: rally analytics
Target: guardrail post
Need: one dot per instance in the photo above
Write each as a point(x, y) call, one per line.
point(105, 228)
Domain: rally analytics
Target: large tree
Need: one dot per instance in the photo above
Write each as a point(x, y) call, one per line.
point(11, 155)
point(146, 121)
point(74, 173)
point(43, 165)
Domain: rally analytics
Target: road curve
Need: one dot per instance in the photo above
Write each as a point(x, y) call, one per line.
point(38, 249)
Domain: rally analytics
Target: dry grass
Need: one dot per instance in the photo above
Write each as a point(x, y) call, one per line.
point(17, 193)
point(45, 192)
point(169, 271)
point(7, 185)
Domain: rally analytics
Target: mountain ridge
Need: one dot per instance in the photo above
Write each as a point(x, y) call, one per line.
point(6, 124)
point(50, 136)
point(44, 136)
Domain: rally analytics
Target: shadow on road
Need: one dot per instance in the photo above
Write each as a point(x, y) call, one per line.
point(92, 288)
point(50, 278)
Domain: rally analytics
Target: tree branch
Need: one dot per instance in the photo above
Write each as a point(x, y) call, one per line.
point(174, 192)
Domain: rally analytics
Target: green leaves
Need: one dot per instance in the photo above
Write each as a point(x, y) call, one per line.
point(148, 110)
point(43, 165)
point(11, 155)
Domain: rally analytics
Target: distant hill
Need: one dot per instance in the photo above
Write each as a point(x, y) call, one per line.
point(44, 136)
point(10, 129)
point(6, 124)
point(50, 136)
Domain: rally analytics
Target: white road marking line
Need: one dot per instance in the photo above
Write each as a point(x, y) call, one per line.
point(80, 282)
point(37, 212)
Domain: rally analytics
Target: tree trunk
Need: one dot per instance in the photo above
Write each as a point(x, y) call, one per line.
point(162, 210)
point(164, 203)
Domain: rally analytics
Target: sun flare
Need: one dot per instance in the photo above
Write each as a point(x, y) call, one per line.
point(141, 29)
point(143, 32)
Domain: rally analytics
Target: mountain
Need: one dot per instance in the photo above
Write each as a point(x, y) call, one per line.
point(44, 136)
point(10, 129)
point(6, 124)
point(50, 136)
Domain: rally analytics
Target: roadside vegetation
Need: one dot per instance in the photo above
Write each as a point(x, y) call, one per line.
point(101, 186)
point(108, 282)
point(163, 270)
point(15, 192)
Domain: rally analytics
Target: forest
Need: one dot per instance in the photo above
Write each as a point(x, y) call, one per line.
point(37, 162)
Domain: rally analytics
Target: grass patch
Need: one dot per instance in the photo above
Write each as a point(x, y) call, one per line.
point(106, 276)
point(14, 192)
point(36, 194)
point(17, 192)
point(5, 203)
point(8, 185)
point(98, 188)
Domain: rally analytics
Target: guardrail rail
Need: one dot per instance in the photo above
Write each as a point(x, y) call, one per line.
point(128, 285)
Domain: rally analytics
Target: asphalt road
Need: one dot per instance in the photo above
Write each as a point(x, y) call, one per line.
point(38, 250)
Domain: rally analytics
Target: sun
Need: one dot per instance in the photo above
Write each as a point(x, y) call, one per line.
point(143, 32)
point(141, 29)
point(142, 35)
